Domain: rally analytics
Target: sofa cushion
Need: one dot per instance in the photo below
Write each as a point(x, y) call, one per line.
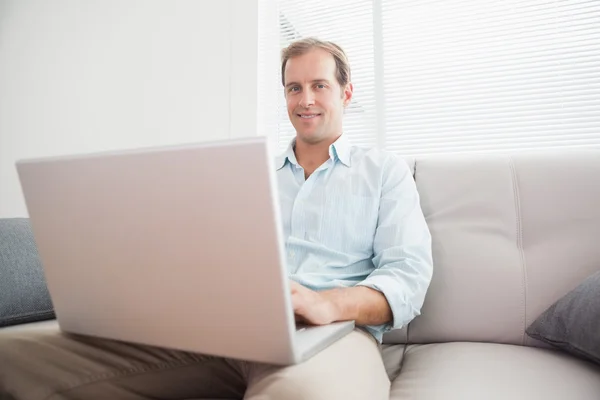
point(511, 235)
point(24, 296)
point(558, 194)
point(573, 322)
point(475, 371)
point(477, 285)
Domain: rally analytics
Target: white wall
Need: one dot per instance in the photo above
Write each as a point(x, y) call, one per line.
point(82, 76)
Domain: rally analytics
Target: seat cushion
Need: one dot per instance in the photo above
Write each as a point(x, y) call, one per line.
point(392, 359)
point(475, 371)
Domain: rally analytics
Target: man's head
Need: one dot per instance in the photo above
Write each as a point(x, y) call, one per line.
point(316, 80)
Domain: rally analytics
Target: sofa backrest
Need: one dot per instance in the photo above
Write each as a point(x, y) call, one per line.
point(511, 235)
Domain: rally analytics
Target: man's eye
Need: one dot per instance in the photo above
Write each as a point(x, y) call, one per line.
point(320, 86)
point(294, 89)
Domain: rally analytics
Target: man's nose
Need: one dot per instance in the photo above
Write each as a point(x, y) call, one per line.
point(307, 99)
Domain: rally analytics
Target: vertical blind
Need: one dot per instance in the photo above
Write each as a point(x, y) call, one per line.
point(453, 76)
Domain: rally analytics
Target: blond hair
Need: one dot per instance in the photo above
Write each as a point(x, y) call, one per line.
point(303, 46)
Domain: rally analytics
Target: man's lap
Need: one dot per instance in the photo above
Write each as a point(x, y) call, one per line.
point(351, 368)
point(51, 366)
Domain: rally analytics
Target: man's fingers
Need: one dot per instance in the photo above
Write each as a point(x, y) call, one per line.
point(299, 306)
point(303, 304)
point(294, 286)
point(296, 299)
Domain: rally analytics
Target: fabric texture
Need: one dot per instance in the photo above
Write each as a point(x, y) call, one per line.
point(357, 220)
point(24, 296)
point(490, 371)
point(573, 322)
point(47, 364)
point(511, 234)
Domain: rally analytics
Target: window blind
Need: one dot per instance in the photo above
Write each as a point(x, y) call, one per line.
point(456, 76)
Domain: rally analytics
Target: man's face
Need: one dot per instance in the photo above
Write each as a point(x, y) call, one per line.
point(315, 100)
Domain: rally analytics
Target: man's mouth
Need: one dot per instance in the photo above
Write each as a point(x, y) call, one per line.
point(308, 116)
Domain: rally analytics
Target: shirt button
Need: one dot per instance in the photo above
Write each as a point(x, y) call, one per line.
point(292, 254)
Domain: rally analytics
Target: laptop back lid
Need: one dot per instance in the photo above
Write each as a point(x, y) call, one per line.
point(175, 246)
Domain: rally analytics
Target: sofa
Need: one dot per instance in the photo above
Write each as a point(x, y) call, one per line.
point(513, 236)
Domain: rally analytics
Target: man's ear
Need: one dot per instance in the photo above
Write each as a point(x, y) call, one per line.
point(347, 93)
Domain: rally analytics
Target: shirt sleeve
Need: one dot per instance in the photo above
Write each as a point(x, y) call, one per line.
point(402, 253)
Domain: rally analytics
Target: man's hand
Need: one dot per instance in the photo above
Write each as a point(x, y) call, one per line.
point(311, 307)
point(361, 304)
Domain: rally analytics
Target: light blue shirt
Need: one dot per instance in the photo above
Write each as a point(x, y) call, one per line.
point(357, 220)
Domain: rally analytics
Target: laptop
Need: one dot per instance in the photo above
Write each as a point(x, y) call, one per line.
point(175, 246)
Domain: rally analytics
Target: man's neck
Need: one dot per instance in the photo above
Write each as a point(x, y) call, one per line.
point(311, 156)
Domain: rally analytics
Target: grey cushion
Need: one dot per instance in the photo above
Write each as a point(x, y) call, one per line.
point(24, 296)
point(573, 322)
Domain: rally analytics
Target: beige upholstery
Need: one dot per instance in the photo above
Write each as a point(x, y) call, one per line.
point(560, 212)
point(476, 371)
point(511, 234)
point(469, 203)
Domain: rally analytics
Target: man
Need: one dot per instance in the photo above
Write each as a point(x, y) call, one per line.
point(358, 248)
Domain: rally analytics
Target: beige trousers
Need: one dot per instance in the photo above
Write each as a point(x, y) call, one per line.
point(50, 365)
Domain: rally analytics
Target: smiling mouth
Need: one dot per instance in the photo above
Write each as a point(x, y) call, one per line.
point(308, 116)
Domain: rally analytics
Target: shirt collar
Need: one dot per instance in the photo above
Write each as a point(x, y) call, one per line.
point(287, 155)
point(340, 150)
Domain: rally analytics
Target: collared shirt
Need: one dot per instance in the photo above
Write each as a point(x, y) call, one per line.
point(357, 220)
